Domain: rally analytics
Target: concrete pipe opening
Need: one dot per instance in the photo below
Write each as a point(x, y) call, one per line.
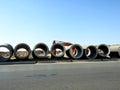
point(22, 51)
point(6, 52)
point(103, 50)
point(91, 52)
point(40, 50)
point(75, 51)
point(57, 50)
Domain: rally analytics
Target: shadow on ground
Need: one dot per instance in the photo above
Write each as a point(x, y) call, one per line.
point(52, 60)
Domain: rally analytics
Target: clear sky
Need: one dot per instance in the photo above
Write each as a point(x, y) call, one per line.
point(77, 21)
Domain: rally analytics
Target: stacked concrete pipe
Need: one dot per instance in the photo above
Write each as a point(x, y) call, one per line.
point(90, 52)
point(114, 51)
point(54, 50)
point(58, 51)
point(40, 51)
point(75, 51)
point(10, 49)
point(103, 51)
point(22, 46)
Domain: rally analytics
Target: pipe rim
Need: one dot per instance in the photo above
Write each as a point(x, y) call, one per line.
point(91, 56)
point(106, 50)
point(10, 49)
point(22, 46)
point(42, 46)
point(59, 46)
point(79, 50)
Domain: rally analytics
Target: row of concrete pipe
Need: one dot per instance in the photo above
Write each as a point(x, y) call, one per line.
point(59, 51)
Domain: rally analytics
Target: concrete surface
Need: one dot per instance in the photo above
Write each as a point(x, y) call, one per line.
point(103, 75)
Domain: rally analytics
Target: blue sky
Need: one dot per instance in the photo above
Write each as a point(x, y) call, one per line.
point(77, 21)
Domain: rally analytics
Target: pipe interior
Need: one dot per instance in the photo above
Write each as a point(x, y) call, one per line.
point(5, 52)
point(58, 50)
point(76, 51)
point(22, 51)
point(103, 50)
point(41, 50)
point(91, 52)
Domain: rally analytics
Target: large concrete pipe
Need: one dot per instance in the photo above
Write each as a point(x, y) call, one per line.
point(40, 50)
point(103, 51)
point(6, 55)
point(57, 50)
point(22, 51)
point(114, 51)
point(90, 52)
point(75, 51)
